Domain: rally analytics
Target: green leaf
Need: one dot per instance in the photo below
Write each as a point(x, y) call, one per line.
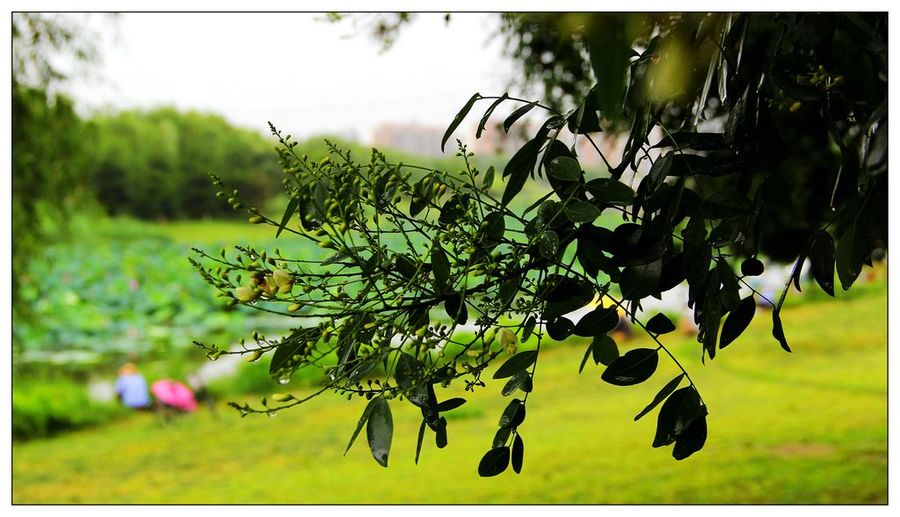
point(597, 322)
point(380, 430)
point(737, 321)
point(610, 191)
point(516, 115)
point(564, 168)
point(581, 211)
point(288, 212)
point(458, 119)
point(518, 453)
point(676, 414)
point(660, 324)
point(513, 415)
point(292, 345)
point(663, 393)
point(487, 114)
point(494, 462)
point(440, 266)
point(516, 364)
point(450, 404)
point(635, 367)
point(604, 350)
point(362, 421)
point(419, 440)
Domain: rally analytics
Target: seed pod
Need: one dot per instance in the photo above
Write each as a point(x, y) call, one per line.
point(256, 219)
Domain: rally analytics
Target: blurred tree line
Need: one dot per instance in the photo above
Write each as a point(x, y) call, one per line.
point(155, 164)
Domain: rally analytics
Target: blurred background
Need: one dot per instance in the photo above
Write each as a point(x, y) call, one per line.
point(117, 121)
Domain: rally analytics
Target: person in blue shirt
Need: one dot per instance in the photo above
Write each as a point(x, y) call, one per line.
point(131, 387)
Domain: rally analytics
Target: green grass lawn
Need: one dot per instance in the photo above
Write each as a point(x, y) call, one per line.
point(807, 427)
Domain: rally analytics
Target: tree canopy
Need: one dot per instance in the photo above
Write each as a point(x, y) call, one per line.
point(748, 135)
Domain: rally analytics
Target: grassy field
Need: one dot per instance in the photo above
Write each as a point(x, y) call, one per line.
point(807, 427)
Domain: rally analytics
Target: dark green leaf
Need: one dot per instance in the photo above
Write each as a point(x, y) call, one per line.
point(501, 436)
point(521, 380)
point(658, 172)
point(660, 396)
point(488, 180)
point(587, 353)
point(528, 328)
point(564, 295)
point(660, 324)
point(405, 266)
point(458, 119)
point(516, 364)
point(640, 281)
point(440, 434)
point(419, 440)
point(610, 191)
point(778, 330)
point(449, 404)
point(288, 212)
point(737, 321)
point(513, 415)
point(518, 453)
point(440, 266)
point(294, 344)
point(752, 267)
point(850, 255)
point(822, 261)
point(380, 430)
point(564, 168)
point(362, 421)
point(548, 244)
point(579, 211)
point(560, 328)
point(676, 414)
point(597, 322)
point(635, 367)
point(456, 308)
point(508, 290)
point(516, 115)
point(487, 114)
point(519, 167)
point(494, 462)
point(691, 440)
point(604, 350)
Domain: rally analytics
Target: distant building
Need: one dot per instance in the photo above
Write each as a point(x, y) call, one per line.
point(410, 138)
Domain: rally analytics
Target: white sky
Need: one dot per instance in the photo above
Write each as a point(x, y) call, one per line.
point(306, 76)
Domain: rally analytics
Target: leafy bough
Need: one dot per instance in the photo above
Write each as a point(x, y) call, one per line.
point(430, 279)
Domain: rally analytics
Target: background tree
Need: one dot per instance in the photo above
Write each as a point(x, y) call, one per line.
point(48, 152)
point(434, 276)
